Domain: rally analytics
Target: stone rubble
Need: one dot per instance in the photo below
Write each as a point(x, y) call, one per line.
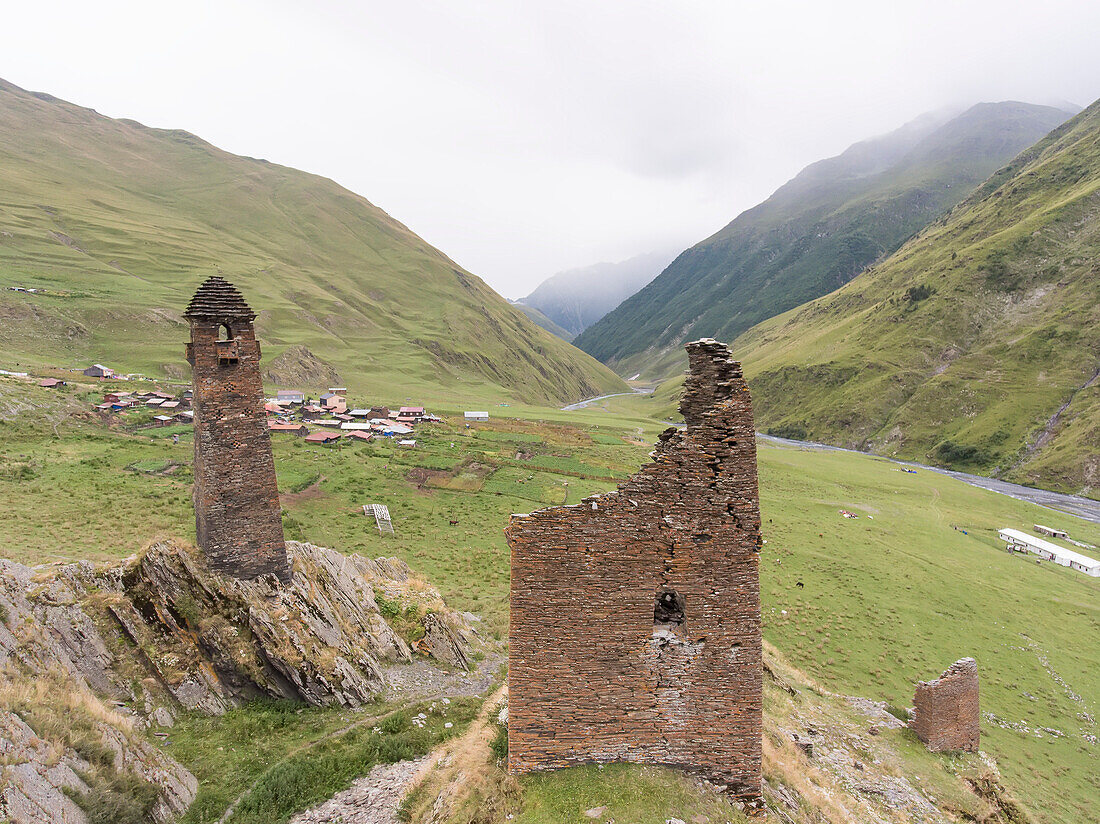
point(373, 799)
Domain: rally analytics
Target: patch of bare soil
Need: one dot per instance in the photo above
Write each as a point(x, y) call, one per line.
point(310, 493)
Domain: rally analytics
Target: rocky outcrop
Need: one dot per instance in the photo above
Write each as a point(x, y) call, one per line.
point(162, 630)
point(297, 366)
point(72, 758)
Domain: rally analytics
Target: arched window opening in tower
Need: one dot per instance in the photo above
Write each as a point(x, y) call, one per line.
point(228, 348)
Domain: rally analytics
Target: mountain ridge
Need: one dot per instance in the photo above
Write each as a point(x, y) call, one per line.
point(814, 233)
point(975, 345)
point(116, 223)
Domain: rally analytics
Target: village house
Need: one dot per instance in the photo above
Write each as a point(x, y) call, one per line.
point(475, 416)
point(360, 435)
point(378, 412)
point(98, 370)
point(51, 383)
point(289, 396)
point(323, 438)
point(334, 403)
point(392, 430)
point(298, 429)
point(1051, 531)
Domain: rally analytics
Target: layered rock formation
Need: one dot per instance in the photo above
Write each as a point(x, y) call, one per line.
point(162, 631)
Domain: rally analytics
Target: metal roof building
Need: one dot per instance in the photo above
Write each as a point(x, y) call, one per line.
point(1051, 551)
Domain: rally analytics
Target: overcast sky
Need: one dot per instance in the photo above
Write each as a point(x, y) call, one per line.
point(523, 138)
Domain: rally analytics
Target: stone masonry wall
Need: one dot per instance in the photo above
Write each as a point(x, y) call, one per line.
point(946, 713)
point(237, 515)
point(635, 615)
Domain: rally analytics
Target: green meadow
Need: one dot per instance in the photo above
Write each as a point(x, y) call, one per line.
point(890, 597)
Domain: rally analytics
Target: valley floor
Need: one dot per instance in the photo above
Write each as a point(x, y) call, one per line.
point(1075, 505)
point(917, 580)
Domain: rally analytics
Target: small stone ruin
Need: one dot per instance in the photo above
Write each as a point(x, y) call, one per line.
point(945, 711)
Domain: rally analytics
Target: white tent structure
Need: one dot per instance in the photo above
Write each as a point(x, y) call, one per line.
point(1017, 540)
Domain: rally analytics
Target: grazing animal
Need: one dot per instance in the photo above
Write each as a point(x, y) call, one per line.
point(799, 585)
point(453, 523)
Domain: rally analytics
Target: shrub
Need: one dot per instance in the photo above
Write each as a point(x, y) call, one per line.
point(951, 452)
point(792, 432)
point(915, 294)
point(121, 798)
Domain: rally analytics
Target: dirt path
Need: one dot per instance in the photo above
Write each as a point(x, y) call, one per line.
point(418, 681)
point(438, 778)
point(232, 808)
point(373, 799)
point(309, 493)
point(447, 778)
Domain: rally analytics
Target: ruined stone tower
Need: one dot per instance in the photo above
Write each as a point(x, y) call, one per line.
point(635, 615)
point(237, 516)
point(945, 711)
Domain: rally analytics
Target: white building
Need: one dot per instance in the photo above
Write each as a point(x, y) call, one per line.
point(475, 416)
point(1017, 540)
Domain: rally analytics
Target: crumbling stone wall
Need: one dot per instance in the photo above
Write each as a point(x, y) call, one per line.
point(946, 713)
point(237, 516)
point(635, 615)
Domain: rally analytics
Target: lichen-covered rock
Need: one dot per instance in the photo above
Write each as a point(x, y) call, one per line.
point(165, 620)
point(162, 630)
point(62, 759)
point(35, 777)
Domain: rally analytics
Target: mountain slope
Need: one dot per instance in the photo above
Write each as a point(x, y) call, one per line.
point(814, 233)
point(976, 344)
point(577, 298)
point(538, 318)
point(116, 224)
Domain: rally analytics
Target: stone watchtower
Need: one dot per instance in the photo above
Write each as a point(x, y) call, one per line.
point(635, 615)
point(237, 515)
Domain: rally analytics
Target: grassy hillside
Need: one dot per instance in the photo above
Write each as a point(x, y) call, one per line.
point(977, 344)
point(889, 598)
point(116, 224)
point(814, 234)
point(540, 319)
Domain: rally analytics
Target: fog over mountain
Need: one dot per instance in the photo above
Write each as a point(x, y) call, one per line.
point(577, 298)
point(526, 138)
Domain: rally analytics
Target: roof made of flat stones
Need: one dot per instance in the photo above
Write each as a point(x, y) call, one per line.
point(219, 299)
